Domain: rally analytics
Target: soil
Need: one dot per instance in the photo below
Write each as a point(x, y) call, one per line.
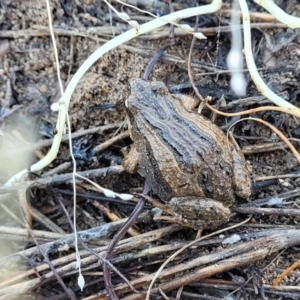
point(29, 86)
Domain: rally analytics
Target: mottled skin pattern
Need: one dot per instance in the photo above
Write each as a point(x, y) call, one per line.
point(185, 158)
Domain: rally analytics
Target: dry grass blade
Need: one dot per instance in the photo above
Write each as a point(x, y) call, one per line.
point(45, 262)
point(209, 265)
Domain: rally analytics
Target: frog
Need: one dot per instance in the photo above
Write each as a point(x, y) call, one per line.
point(187, 160)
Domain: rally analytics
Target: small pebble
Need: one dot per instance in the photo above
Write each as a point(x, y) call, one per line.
point(43, 88)
point(232, 239)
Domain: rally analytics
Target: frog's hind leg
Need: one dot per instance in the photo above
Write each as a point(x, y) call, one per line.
point(199, 212)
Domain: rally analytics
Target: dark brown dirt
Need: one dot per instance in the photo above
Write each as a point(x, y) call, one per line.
point(29, 85)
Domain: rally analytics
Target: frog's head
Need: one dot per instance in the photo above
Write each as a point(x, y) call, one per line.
point(139, 95)
point(145, 95)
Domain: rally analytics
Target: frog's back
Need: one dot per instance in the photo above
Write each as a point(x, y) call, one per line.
point(181, 152)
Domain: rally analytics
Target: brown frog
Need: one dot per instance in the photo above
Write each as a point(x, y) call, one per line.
point(186, 159)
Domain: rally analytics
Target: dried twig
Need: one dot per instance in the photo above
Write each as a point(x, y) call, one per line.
point(232, 257)
point(65, 178)
point(106, 272)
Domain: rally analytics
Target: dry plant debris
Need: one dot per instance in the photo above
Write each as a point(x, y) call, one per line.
point(243, 261)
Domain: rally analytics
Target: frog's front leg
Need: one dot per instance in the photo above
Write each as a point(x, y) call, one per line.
point(199, 212)
point(131, 161)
